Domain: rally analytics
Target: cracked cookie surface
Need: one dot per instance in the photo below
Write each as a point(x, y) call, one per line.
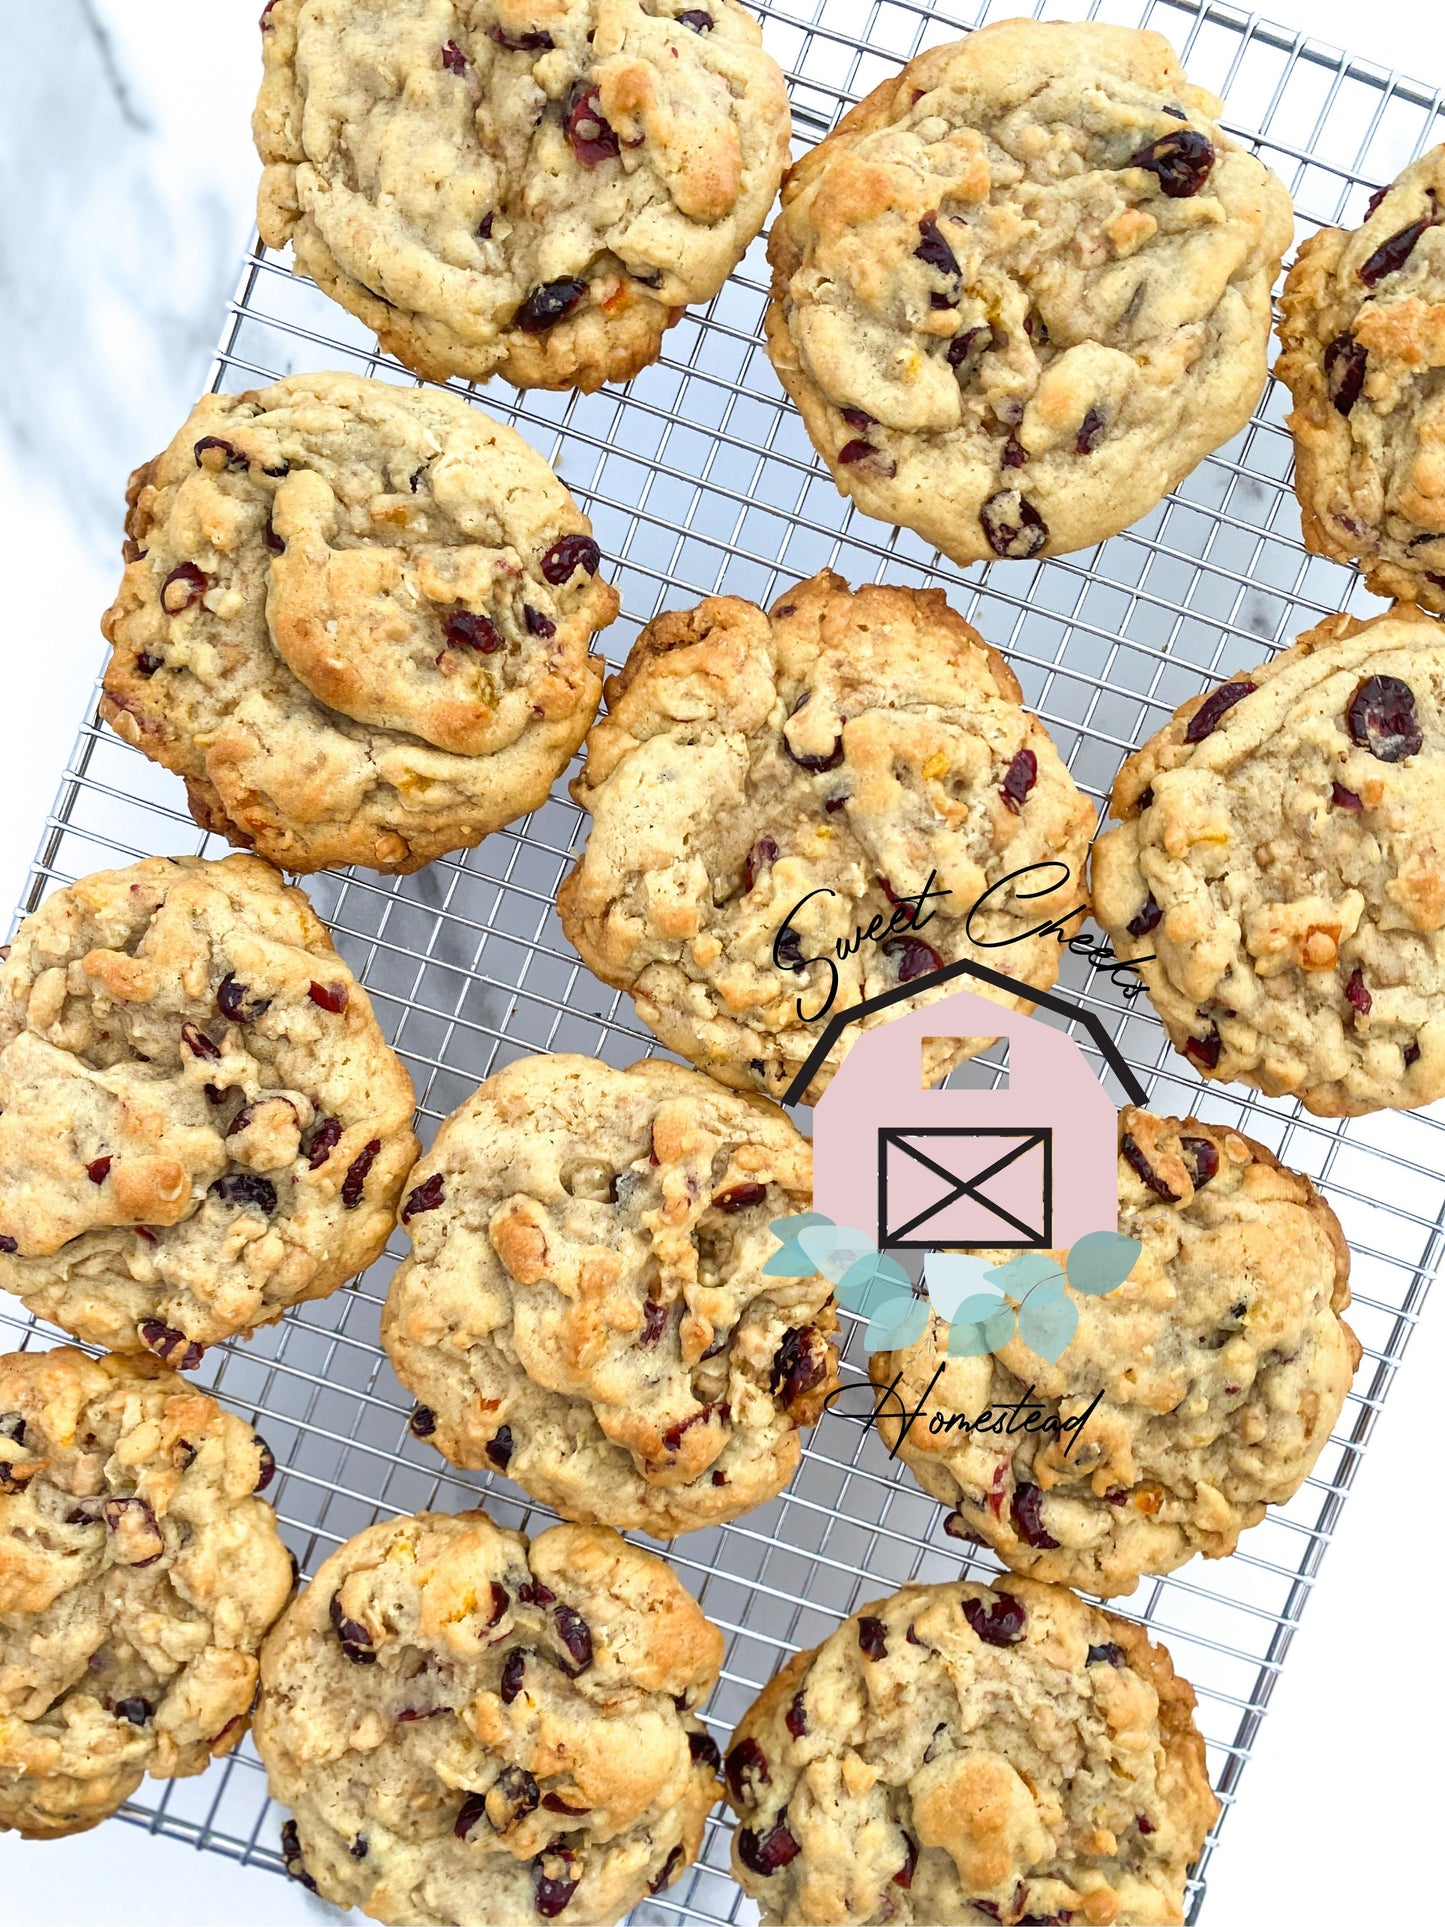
point(822, 765)
point(1363, 330)
point(957, 1755)
point(138, 1576)
point(1024, 288)
point(585, 1308)
point(355, 618)
point(1278, 870)
point(475, 1731)
point(200, 1121)
point(531, 188)
point(1207, 1383)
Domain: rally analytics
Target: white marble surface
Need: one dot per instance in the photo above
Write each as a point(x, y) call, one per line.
point(126, 178)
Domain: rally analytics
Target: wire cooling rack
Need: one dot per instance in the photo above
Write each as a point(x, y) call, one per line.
point(699, 479)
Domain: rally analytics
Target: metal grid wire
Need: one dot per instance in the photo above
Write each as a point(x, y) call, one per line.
point(699, 479)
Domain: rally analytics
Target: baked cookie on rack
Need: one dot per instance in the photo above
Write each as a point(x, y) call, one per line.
point(1200, 1391)
point(1278, 877)
point(1024, 288)
point(200, 1121)
point(1363, 329)
point(471, 1728)
point(138, 1576)
point(536, 189)
point(854, 797)
point(355, 618)
point(957, 1753)
point(585, 1307)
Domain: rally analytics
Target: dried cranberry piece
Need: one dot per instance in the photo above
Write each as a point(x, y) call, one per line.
point(1412, 1053)
point(1204, 1050)
point(554, 1803)
point(763, 852)
point(422, 1423)
point(1028, 1514)
point(855, 418)
point(1014, 453)
point(654, 1321)
point(1375, 199)
point(98, 1170)
point(171, 1347)
point(472, 1809)
point(136, 1710)
point(834, 803)
point(576, 1635)
point(799, 1364)
point(1383, 719)
point(267, 1471)
point(513, 1794)
point(146, 665)
point(359, 1847)
point(872, 1637)
point(738, 1197)
point(356, 1641)
point(545, 306)
point(569, 554)
point(183, 588)
point(272, 539)
point(788, 954)
point(554, 1891)
point(427, 1196)
point(266, 13)
point(860, 451)
point(933, 250)
point(198, 1044)
point(674, 1859)
point(513, 1673)
point(904, 1875)
point(135, 1519)
point(537, 623)
point(499, 1602)
point(234, 1000)
point(704, 1749)
point(1149, 918)
point(484, 233)
point(1344, 799)
point(1359, 996)
point(796, 1717)
point(1091, 433)
point(1391, 255)
point(1345, 362)
point(967, 343)
point(1143, 1823)
point(291, 1856)
point(1206, 719)
point(1143, 1169)
point(498, 1447)
point(1107, 1655)
point(1146, 799)
point(323, 1143)
point(332, 997)
point(453, 59)
point(464, 629)
point(915, 957)
point(770, 1853)
point(534, 42)
point(244, 1187)
point(592, 137)
point(232, 456)
point(816, 765)
point(354, 1182)
point(1001, 1624)
point(1202, 1156)
point(1019, 779)
point(695, 18)
point(1013, 526)
point(746, 1769)
point(1179, 162)
point(8, 1244)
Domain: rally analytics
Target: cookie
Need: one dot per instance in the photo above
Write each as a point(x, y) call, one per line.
point(355, 619)
point(1363, 330)
point(529, 188)
point(477, 1732)
point(796, 811)
point(1024, 288)
point(585, 1308)
point(1197, 1393)
point(138, 1576)
point(200, 1121)
point(956, 1754)
point(1277, 878)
